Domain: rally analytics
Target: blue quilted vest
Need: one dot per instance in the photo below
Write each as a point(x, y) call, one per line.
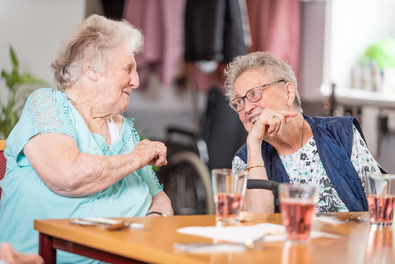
point(334, 139)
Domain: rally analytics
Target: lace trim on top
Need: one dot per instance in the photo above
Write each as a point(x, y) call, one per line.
point(49, 113)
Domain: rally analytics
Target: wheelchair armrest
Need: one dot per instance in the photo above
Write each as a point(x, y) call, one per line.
point(263, 184)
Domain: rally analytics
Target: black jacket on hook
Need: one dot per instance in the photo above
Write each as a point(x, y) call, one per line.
point(213, 30)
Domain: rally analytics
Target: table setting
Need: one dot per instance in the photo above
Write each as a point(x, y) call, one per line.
point(232, 233)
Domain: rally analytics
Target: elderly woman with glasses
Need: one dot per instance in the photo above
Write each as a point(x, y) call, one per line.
point(284, 145)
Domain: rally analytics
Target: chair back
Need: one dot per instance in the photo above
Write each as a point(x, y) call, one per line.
point(2, 162)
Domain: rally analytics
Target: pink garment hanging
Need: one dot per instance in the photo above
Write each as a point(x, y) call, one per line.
point(276, 27)
point(161, 22)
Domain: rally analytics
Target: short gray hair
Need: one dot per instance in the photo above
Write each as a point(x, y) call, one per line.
point(94, 41)
point(268, 63)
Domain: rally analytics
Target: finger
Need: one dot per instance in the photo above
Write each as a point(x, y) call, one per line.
point(276, 125)
point(273, 121)
point(282, 125)
point(289, 115)
point(160, 161)
point(280, 120)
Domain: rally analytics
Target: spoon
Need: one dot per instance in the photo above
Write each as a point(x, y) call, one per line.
point(109, 224)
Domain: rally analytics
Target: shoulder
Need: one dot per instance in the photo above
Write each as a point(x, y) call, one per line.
point(334, 125)
point(242, 152)
point(334, 121)
point(45, 95)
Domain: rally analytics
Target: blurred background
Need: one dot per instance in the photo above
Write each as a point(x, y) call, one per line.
point(341, 51)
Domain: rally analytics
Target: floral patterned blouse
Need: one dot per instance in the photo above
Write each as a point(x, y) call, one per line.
point(305, 167)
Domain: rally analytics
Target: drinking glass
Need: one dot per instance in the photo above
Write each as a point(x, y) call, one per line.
point(297, 206)
point(229, 187)
point(380, 190)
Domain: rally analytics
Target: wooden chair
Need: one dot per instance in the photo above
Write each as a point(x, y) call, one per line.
point(2, 162)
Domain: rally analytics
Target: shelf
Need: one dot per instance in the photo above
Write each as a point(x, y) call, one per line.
point(350, 96)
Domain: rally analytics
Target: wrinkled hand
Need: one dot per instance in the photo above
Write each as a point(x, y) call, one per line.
point(10, 256)
point(271, 123)
point(151, 153)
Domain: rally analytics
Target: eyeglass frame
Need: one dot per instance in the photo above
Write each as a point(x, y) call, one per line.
point(259, 89)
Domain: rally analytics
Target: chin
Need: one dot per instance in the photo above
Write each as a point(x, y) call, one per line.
point(248, 127)
point(125, 108)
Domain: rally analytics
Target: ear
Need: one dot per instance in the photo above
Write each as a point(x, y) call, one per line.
point(290, 93)
point(90, 72)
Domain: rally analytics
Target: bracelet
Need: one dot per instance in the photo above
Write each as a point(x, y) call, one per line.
point(154, 212)
point(255, 166)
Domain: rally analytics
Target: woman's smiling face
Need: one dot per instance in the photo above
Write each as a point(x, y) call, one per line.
point(272, 97)
point(117, 83)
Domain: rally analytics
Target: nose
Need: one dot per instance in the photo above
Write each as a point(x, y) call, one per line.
point(248, 106)
point(134, 80)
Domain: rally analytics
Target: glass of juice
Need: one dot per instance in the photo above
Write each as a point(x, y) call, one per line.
point(229, 187)
point(380, 189)
point(297, 206)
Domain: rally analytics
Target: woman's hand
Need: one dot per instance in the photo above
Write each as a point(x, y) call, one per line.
point(150, 153)
point(10, 256)
point(270, 123)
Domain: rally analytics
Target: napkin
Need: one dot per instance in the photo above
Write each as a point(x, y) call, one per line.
point(239, 234)
point(236, 234)
point(328, 220)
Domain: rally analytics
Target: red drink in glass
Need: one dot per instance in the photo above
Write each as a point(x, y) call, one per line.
point(228, 206)
point(298, 216)
point(381, 208)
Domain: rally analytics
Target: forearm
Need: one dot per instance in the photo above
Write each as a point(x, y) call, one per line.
point(89, 174)
point(161, 203)
point(255, 200)
point(68, 172)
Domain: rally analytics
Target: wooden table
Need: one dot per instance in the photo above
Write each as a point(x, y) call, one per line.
point(359, 243)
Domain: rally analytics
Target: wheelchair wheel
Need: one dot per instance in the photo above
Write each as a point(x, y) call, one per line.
point(186, 181)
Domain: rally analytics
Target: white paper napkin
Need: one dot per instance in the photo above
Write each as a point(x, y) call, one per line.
point(239, 234)
point(328, 220)
point(236, 234)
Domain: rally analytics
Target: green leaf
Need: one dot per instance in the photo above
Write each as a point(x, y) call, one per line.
point(14, 59)
point(27, 78)
point(9, 115)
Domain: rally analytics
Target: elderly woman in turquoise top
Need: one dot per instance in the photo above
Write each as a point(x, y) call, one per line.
point(72, 154)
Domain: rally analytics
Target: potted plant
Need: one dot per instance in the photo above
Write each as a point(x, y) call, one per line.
point(17, 95)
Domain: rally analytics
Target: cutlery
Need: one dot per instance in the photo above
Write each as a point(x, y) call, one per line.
point(109, 224)
point(344, 217)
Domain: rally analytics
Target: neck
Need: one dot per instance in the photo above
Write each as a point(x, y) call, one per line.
point(95, 124)
point(295, 135)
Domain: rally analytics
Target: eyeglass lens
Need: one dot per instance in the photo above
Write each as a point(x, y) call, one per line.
point(253, 95)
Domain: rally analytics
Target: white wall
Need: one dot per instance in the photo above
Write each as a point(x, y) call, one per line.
point(35, 28)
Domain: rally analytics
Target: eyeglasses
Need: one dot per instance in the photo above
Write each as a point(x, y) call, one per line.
point(253, 95)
